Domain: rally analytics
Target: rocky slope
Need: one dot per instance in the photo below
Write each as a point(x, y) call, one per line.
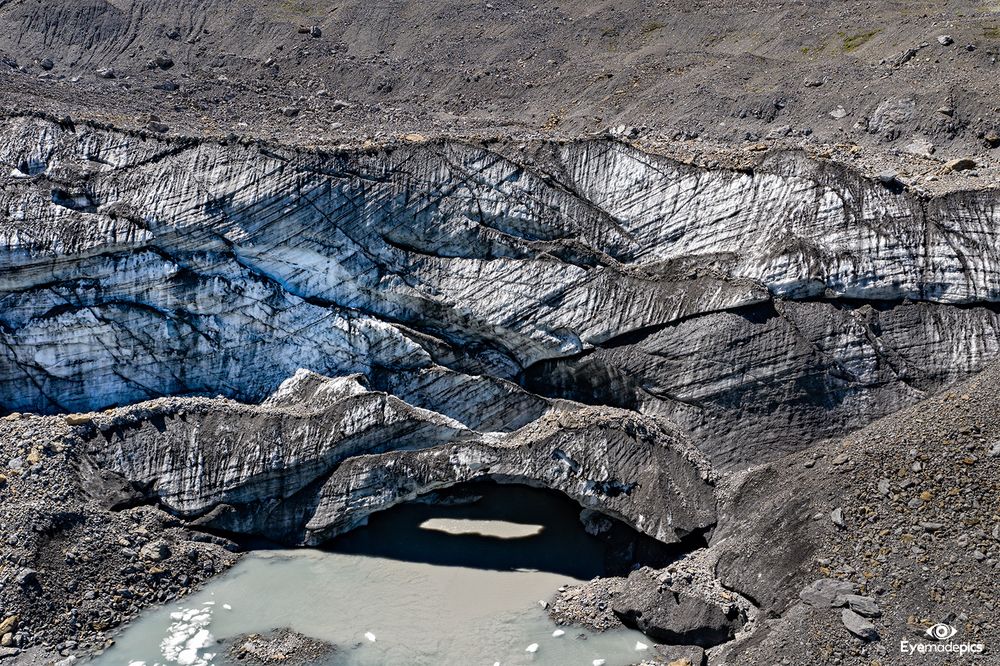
point(641, 334)
point(845, 551)
point(854, 74)
point(708, 269)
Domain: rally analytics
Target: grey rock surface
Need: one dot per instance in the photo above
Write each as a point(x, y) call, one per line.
point(675, 616)
point(827, 593)
point(858, 625)
point(279, 646)
point(861, 605)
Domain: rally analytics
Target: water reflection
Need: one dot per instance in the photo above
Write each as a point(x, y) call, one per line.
point(557, 544)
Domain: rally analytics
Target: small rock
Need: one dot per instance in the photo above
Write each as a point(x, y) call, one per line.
point(887, 177)
point(163, 61)
point(26, 577)
point(8, 625)
point(931, 527)
point(779, 132)
point(289, 111)
point(921, 147)
point(959, 164)
point(315, 31)
point(156, 551)
point(838, 113)
point(46, 64)
point(843, 457)
point(862, 605)
point(78, 419)
point(906, 56)
point(106, 73)
point(158, 127)
point(992, 138)
point(858, 625)
point(837, 516)
point(826, 592)
point(884, 487)
point(8, 652)
point(945, 40)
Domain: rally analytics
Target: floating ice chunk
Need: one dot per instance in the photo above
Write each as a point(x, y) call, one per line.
point(187, 636)
point(557, 633)
point(136, 663)
point(639, 645)
point(532, 648)
point(187, 657)
point(598, 662)
point(370, 636)
point(227, 606)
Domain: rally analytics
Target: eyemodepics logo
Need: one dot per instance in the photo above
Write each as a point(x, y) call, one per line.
point(940, 632)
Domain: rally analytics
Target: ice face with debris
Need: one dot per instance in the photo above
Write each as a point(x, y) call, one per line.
point(136, 267)
point(302, 469)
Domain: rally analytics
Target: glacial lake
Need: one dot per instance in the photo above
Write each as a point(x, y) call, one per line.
point(432, 584)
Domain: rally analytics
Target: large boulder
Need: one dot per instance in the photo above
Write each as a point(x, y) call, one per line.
point(675, 615)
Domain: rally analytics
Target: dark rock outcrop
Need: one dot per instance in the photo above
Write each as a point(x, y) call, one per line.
point(279, 646)
point(675, 616)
